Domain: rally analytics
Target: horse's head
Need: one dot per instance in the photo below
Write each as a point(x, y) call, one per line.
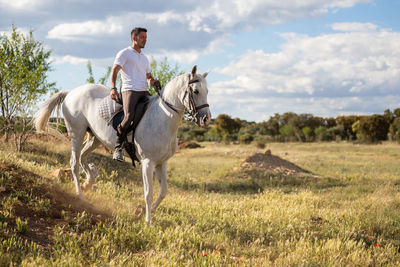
point(196, 98)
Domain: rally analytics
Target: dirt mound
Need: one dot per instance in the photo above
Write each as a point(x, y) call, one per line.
point(271, 163)
point(39, 203)
point(186, 144)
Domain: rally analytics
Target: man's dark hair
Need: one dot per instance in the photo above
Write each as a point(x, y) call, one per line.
point(135, 32)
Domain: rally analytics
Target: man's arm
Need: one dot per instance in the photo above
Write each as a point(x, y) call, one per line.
point(113, 80)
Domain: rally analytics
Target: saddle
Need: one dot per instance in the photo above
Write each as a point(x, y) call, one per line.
point(116, 116)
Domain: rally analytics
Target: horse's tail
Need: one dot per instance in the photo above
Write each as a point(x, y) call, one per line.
point(42, 117)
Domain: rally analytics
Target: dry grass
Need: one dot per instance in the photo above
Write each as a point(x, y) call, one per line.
point(344, 212)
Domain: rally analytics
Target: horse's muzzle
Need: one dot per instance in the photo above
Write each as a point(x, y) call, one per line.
point(203, 118)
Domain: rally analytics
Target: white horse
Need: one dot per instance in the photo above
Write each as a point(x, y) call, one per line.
point(155, 137)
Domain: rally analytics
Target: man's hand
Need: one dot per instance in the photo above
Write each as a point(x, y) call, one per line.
point(157, 85)
point(114, 94)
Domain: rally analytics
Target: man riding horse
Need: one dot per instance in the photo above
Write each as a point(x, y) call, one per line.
point(136, 76)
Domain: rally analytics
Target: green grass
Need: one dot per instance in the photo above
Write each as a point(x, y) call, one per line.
point(345, 212)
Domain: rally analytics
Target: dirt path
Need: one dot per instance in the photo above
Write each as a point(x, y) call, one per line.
point(38, 201)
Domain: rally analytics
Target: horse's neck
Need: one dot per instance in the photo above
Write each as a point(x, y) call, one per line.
point(173, 92)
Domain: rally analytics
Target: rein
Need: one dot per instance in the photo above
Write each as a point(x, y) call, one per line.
point(188, 93)
point(167, 103)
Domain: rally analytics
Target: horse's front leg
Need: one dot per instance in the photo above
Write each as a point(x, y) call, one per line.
point(161, 174)
point(147, 173)
point(76, 141)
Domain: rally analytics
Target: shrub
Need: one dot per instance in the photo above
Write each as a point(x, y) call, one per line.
point(245, 138)
point(262, 140)
point(228, 138)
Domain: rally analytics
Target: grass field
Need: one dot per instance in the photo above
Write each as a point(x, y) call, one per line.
point(345, 212)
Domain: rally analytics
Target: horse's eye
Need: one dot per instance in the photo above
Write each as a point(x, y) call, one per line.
point(196, 91)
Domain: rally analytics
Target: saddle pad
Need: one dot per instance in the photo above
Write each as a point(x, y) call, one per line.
point(108, 108)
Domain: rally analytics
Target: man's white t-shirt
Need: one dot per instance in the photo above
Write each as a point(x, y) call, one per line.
point(135, 66)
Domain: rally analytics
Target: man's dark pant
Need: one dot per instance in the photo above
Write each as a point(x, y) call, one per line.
point(129, 101)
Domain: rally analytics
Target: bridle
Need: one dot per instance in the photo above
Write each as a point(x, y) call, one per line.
point(192, 109)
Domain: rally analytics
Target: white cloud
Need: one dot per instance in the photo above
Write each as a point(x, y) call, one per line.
point(84, 30)
point(165, 17)
point(210, 17)
point(221, 15)
point(354, 27)
point(332, 68)
point(69, 59)
point(191, 55)
point(23, 4)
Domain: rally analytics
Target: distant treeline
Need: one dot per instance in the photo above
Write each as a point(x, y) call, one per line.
point(292, 127)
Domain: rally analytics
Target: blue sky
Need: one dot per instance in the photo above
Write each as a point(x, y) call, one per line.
point(327, 58)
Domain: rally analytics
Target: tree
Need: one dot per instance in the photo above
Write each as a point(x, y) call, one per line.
point(90, 70)
point(347, 122)
point(336, 133)
point(103, 80)
point(396, 112)
point(163, 72)
point(394, 130)
point(389, 116)
point(23, 80)
point(307, 132)
point(226, 126)
point(372, 129)
point(288, 132)
point(320, 133)
point(329, 122)
point(270, 127)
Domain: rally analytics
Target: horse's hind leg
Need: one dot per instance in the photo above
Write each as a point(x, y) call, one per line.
point(90, 144)
point(76, 141)
point(161, 174)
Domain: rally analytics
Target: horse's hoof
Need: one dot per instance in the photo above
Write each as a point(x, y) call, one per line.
point(87, 186)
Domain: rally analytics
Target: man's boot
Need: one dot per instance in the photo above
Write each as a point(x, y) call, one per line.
point(118, 147)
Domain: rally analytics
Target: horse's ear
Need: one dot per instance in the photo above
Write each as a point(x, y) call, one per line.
point(194, 70)
point(205, 74)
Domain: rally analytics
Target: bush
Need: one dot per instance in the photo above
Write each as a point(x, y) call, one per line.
point(213, 135)
point(228, 138)
point(245, 138)
point(262, 140)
